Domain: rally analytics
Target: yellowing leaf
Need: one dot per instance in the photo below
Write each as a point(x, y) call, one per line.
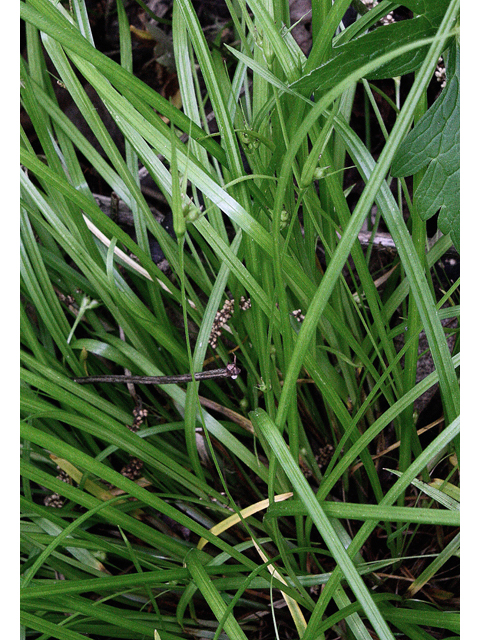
point(235, 518)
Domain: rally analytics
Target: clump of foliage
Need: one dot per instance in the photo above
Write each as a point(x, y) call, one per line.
point(228, 498)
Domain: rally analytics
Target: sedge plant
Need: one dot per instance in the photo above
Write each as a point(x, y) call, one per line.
point(213, 507)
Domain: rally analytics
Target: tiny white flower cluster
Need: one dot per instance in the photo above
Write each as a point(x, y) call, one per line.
point(139, 416)
point(55, 500)
point(440, 73)
point(245, 303)
point(226, 312)
point(388, 19)
point(133, 469)
point(223, 316)
point(298, 315)
point(221, 319)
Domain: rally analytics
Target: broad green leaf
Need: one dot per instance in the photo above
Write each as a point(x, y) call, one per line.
point(348, 57)
point(435, 141)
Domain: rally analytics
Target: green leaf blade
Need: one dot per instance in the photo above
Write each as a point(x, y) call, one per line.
point(435, 143)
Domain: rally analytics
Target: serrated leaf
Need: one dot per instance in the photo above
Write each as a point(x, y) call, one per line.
point(352, 55)
point(435, 143)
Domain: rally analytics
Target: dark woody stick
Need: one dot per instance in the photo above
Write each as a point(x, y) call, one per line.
point(230, 371)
